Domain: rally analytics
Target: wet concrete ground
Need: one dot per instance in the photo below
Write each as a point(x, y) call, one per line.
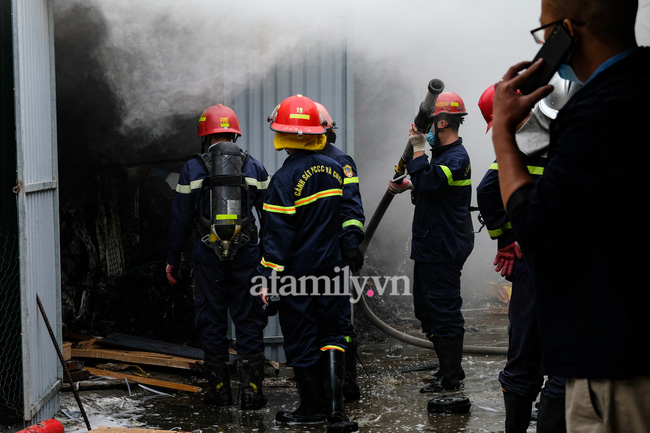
point(391, 374)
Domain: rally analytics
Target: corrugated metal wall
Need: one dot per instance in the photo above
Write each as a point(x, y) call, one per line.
point(324, 74)
point(321, 73)
point(37, 203)
point(11, 362)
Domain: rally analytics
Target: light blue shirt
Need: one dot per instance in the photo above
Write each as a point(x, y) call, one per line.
point(612, 60)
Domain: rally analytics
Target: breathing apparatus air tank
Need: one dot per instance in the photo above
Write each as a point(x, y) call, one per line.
point(226, 182)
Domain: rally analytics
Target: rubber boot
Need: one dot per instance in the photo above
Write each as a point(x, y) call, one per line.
point(518, 411)
point(333, 367)
point(215, 370)
point(351, 390)
point(551, 415)
point(450, 354)
point(309, 382)
point(461, 373)
point(251, 375)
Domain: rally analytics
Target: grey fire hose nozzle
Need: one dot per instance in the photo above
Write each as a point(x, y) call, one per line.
point(423, 121)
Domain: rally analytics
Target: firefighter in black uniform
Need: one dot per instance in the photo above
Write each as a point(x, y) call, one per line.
point(217, 192)
point(302, 213)
point(350, 238)
point(443, 235)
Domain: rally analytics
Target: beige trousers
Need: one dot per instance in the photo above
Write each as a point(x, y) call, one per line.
point(608, 406)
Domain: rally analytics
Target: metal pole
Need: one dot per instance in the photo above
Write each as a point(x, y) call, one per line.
point(65, 367)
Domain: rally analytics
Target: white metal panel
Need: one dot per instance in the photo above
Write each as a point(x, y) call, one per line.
point(37, 203)
point(320, 73)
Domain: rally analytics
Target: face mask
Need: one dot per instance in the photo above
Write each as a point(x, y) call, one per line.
point(566, 72)
point(431, 138)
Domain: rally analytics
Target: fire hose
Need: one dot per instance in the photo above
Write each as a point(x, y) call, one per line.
point(423, 121)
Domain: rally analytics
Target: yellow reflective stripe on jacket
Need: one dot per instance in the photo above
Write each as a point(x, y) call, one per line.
point(332, 347)
point(257, 183)
point(498, 232)
point(302, 202)
point(532, 169)
point(535, 170)
point(495, 233)
point(450, 178)
point(318, 195)
point(271, 265)
point(187, 189)
point(279, 209)
point(350, 180)
point(352, 223)
point(196, 184)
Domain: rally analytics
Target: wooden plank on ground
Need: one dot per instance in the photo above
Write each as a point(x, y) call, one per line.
point(135, 357)
point(143, 380)
point(104, 429)
point(65, 350)
point(133, 342)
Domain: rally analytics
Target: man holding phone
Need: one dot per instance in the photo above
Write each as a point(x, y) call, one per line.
point(589, 204)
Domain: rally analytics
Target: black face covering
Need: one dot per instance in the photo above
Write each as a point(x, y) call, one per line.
point(331, 136)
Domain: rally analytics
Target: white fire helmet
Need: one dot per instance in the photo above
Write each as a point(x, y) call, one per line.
point(532, 137)
point(562, 92)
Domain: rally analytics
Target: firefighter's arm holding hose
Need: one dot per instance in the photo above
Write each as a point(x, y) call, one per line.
point(418, 141)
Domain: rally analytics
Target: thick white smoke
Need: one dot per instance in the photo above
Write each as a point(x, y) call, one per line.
point(167, 58)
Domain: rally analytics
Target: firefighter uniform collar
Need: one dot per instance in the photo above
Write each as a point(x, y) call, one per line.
point(439, 150)
point(297, 153)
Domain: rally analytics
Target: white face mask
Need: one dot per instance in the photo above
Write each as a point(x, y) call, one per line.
point(567, 72)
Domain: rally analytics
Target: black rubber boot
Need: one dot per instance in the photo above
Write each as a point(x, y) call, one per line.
point(450, 354)
point(333, 367)
point(461, 373)
point(551, 415)
point(309, 382)
point(251, 375)
point(518, 410)
point(215, 370)
point(351, 390)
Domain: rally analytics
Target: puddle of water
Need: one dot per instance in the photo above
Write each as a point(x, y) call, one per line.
point(391, 401)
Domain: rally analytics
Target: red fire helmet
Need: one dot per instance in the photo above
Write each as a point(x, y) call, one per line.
point(218, 118)
point(297, 115)
point(329, 122)
point(449, 102)
point(486, 103)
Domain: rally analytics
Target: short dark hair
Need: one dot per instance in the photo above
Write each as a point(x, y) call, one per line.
point(454, 120)
point(230, 136)
point(608, 20)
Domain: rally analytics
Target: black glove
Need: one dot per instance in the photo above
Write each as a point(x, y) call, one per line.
point(274, 305)
point(353, 257)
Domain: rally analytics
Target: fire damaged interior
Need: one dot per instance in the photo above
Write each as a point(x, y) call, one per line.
point(115, 197)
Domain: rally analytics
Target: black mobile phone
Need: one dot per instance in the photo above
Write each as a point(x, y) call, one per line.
point(555, 51)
